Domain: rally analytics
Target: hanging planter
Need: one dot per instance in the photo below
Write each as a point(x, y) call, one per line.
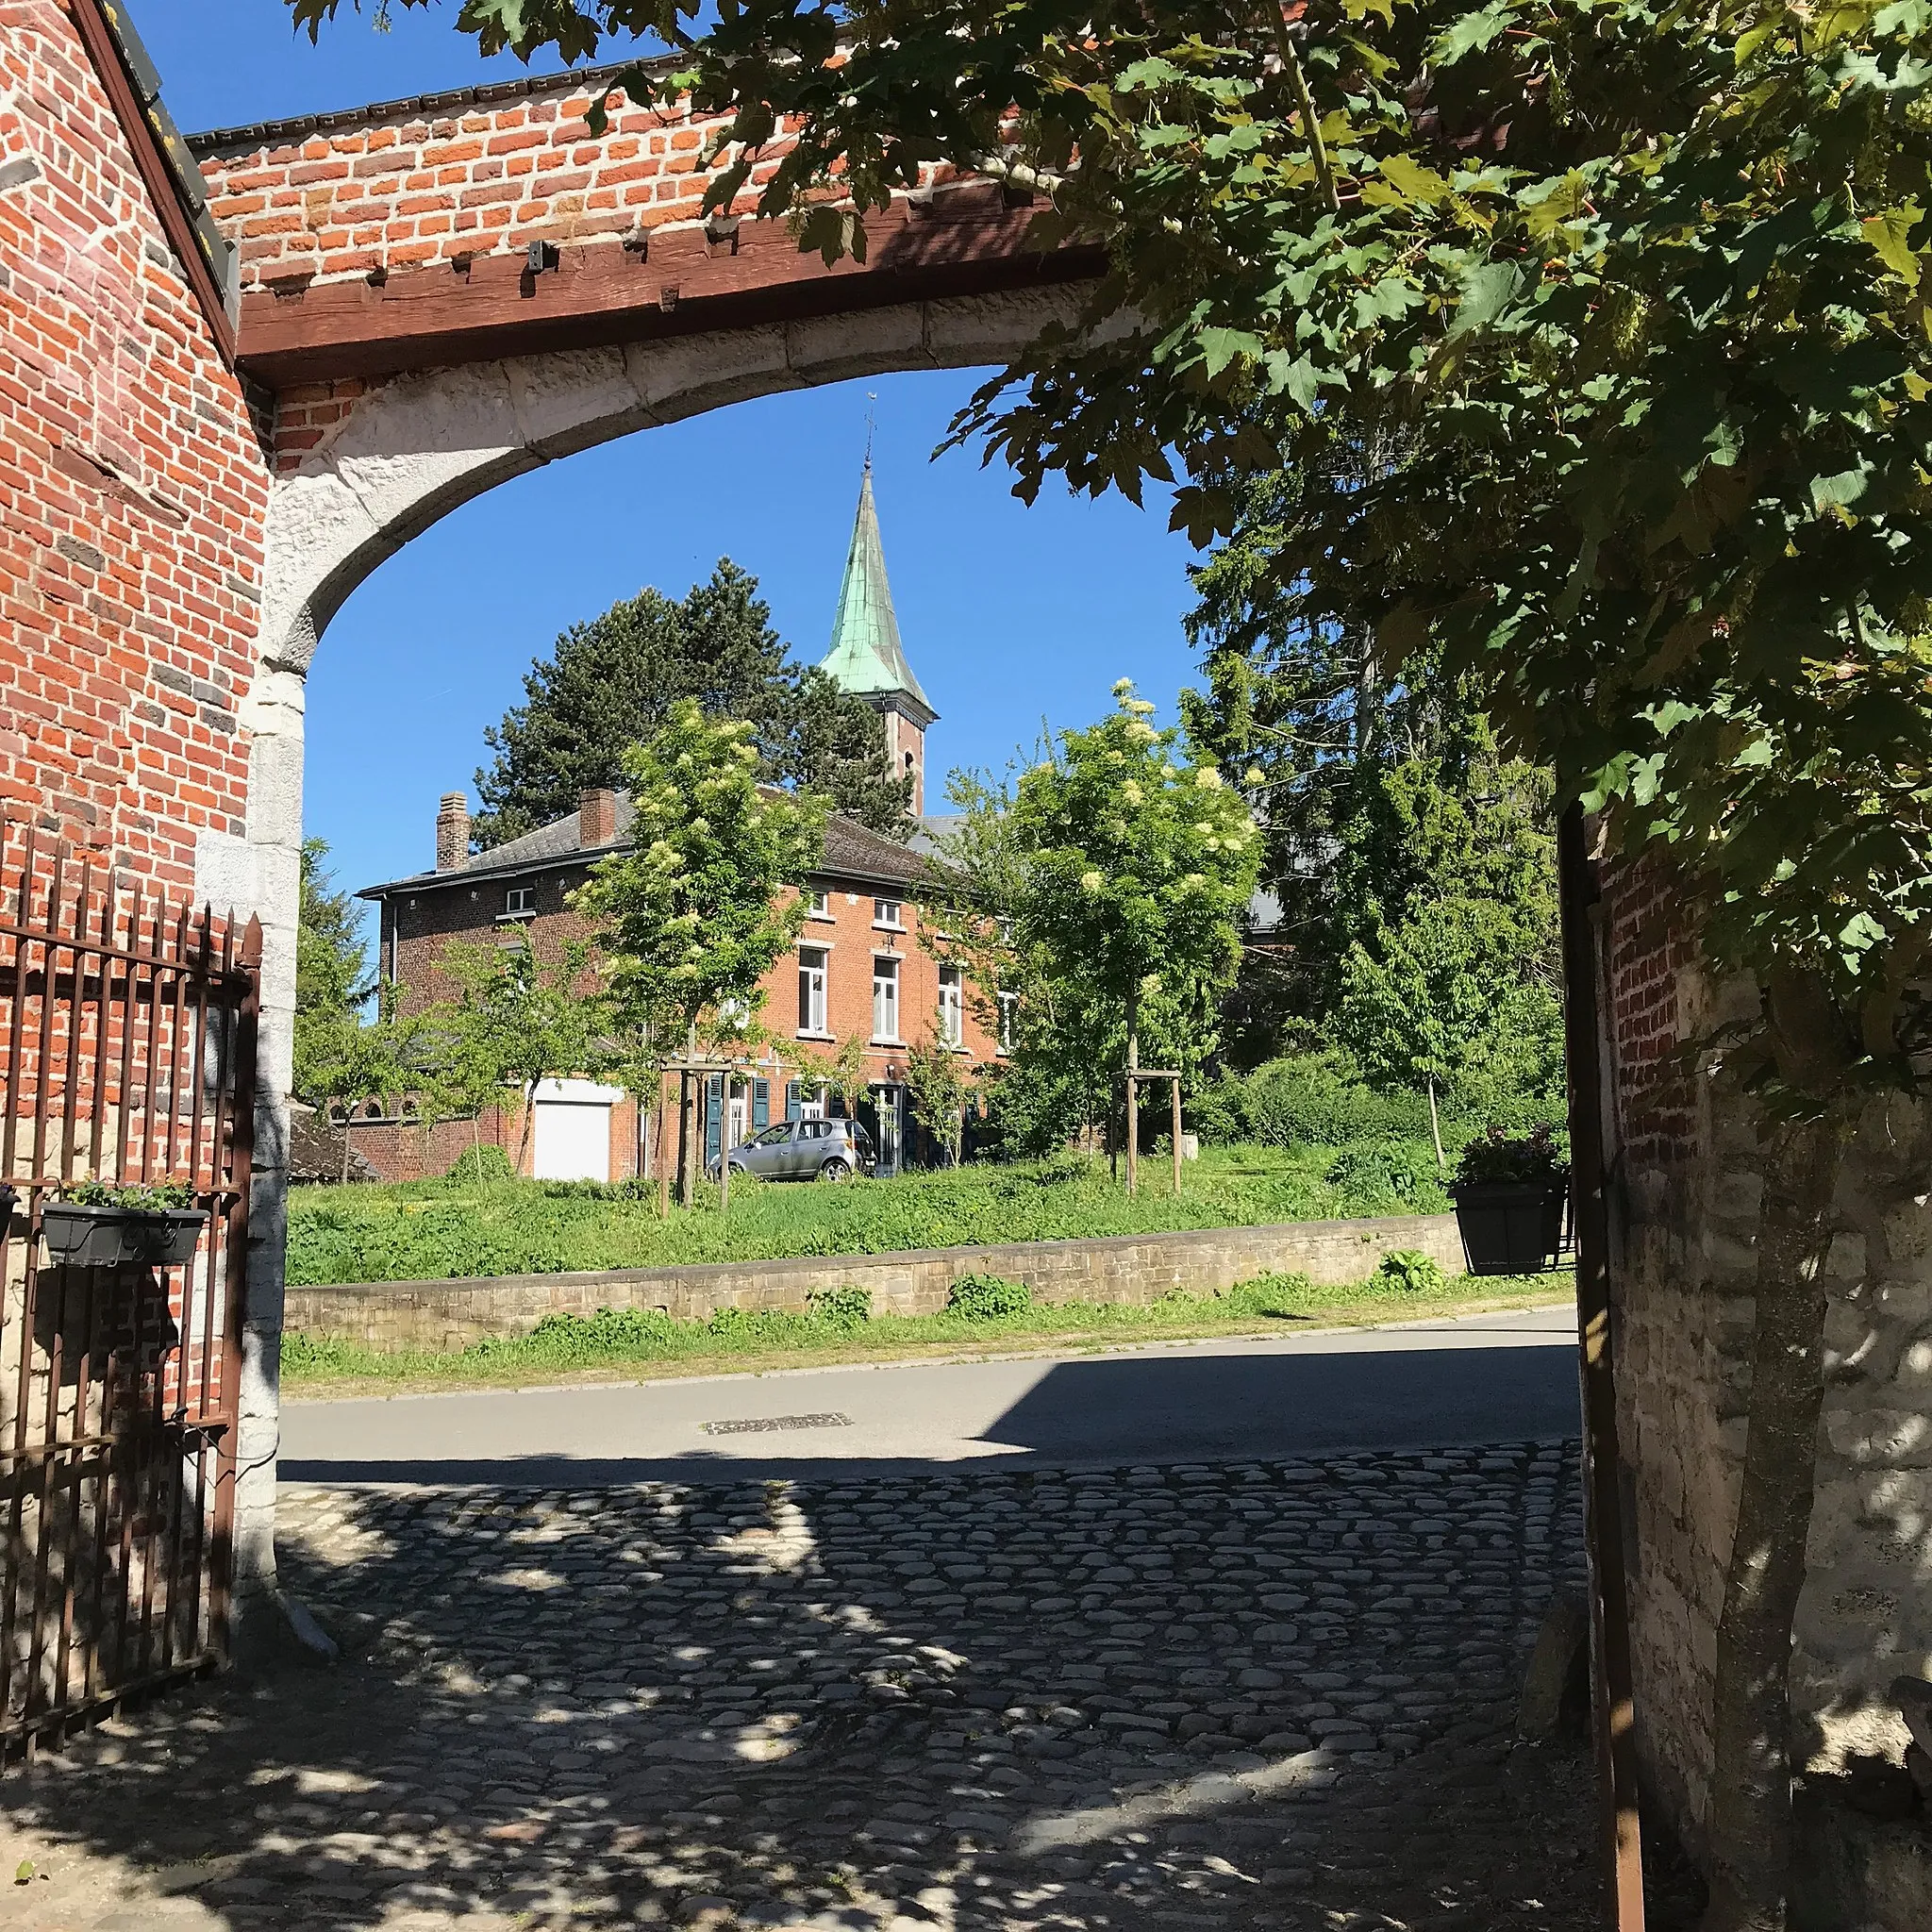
point(122, 1227)
point(1510, 1196)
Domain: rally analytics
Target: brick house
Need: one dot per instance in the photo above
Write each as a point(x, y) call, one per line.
point(860, 970)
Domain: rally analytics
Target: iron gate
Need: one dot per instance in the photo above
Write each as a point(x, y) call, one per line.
point(127, 1036)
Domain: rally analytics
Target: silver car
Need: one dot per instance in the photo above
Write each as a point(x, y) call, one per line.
point(805, 1150)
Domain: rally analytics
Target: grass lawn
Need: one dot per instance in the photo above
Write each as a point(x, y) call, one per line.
point(632, 1345)
point(433, 1230)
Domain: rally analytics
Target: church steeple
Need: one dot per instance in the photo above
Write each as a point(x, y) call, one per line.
point(867, 656)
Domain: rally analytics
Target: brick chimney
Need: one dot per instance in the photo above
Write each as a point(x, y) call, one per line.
point(453, 832)
point(596, 819)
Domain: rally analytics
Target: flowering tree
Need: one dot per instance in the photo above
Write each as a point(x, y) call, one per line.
point(1138, 864)
point(697, 912)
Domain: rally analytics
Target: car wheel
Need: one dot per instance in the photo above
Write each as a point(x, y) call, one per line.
point(835, 1169)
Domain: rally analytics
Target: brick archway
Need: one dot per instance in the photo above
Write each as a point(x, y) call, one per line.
point(440, 294)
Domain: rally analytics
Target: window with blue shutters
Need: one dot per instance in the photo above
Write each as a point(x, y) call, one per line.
point(714, 1117)
point(795, 1101)
point(761, 1103)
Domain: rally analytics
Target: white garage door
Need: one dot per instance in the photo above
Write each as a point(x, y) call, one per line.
point(571, 1137)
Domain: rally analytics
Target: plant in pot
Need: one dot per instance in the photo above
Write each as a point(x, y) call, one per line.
point(1509, 1192)
point(95, 1225)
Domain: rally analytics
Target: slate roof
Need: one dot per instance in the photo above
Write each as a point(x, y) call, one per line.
point(217, 252)
point(866, 657)
point(853, 850)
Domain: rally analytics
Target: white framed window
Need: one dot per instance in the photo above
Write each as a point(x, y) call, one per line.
point(953, 1005)
point(812, 964)
point(519, 902)
point(890, 913)
point(885, 998)
point(820, 904)
point(1010, 1013)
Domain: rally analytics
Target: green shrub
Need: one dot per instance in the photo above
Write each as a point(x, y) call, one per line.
point(159, 1198)
point(841, 1308)
point(584, 1338)
point(1319, 1098)
point(1534, 1160)
point(1267, 1294)
point(1413, 1271)
point(1373, 1170)
point(476, 1165)
point(1215, 1112)
point(988, 1298)
point(1031, 1110)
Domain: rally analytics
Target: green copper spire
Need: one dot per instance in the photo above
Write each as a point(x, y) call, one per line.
point(866, 655)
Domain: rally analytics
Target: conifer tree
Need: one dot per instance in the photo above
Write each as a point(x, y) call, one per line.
point(612, 682)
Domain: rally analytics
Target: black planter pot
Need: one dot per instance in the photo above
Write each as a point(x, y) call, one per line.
point(1510, 1227)
point(80, 1236)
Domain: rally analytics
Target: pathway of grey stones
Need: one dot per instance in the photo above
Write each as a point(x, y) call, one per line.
point(1267, 1694)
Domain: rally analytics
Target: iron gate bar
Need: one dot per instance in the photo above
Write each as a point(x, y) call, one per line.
point(126, 1462)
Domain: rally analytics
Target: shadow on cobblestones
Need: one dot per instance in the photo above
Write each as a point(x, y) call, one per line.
point(1258, 1694)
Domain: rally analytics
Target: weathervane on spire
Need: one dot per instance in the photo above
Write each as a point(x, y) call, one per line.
point(871, 397)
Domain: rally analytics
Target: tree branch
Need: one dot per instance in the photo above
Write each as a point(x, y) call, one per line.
point(1304, 101)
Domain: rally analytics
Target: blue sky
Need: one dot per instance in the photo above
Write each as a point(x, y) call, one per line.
point(1011, 615)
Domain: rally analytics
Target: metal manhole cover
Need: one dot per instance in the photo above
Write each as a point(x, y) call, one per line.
point(762, 1424)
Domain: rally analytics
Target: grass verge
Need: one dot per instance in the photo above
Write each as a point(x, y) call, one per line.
point(450, 1229)
point(639, 1345)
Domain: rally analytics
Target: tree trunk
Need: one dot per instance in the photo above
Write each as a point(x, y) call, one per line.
point(529, 1120)
point(1133, 1088)
point(348, 1115)
point(724, 1144)
point(687, 1136)
point(1176, 1110)
point(1436, 1129)
point(664, 1155)
point(1751, 1796)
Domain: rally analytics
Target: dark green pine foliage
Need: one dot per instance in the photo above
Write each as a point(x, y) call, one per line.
point(1386, 807)
point(332, 978)
point(611, 684)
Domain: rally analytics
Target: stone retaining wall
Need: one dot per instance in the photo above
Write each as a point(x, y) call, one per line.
point(1133, 1269)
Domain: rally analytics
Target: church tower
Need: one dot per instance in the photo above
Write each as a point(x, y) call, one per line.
point(867, 657)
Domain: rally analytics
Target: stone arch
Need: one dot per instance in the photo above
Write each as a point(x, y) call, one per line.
point(410, 449)
point(414, 448)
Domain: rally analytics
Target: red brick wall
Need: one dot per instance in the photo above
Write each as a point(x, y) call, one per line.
point(132, 490)
point(1650, 948)
point(403, 1151)
point(852, 939)
point(400, 188)
point(418, 926)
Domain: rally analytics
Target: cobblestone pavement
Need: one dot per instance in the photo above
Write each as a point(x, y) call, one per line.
point(1233, 1696)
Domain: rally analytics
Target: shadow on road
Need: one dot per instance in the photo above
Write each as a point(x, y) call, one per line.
point(1106, 1412)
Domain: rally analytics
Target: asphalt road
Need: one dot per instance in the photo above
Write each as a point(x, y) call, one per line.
point(1484, 1378)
